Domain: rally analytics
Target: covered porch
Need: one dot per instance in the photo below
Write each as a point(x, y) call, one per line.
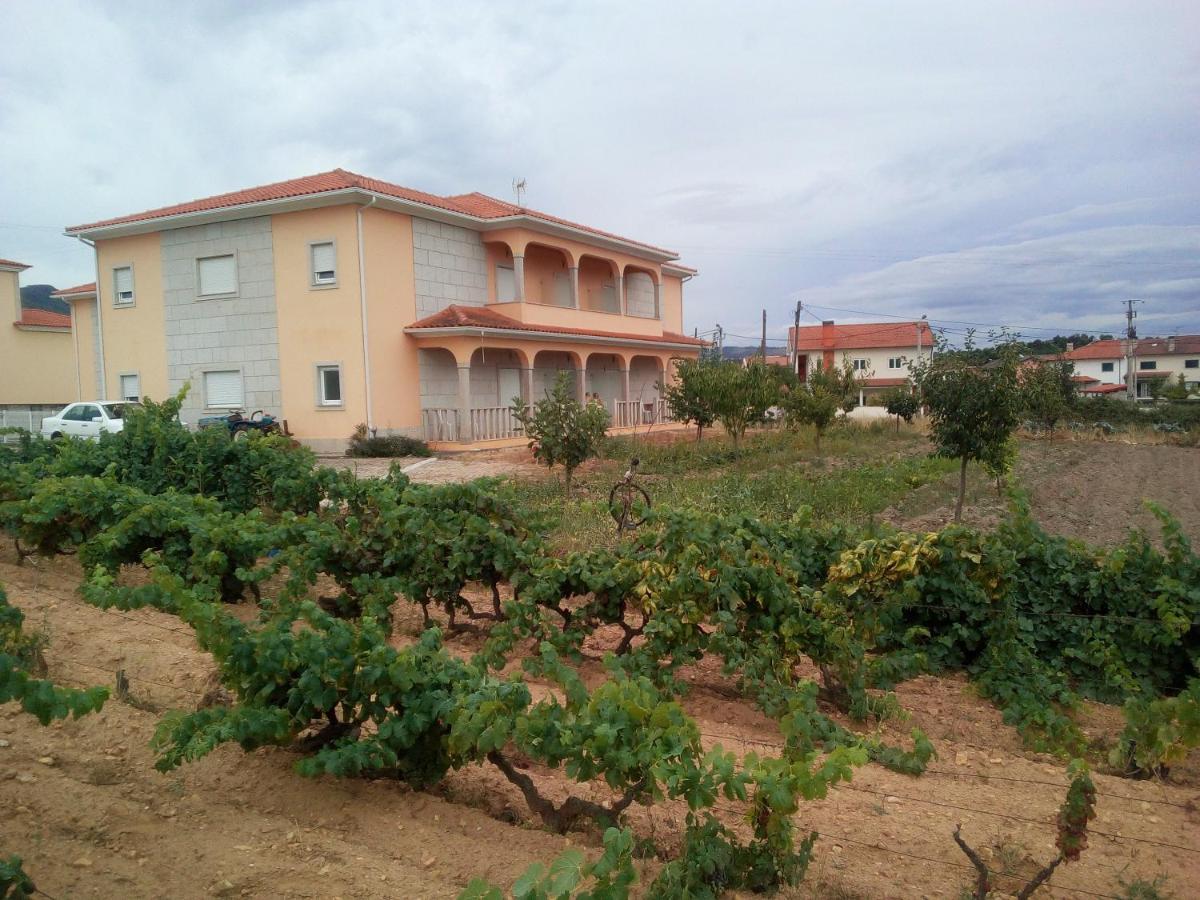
point(470, 378)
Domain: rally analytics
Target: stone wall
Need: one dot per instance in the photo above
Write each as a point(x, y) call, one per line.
point(449, 265)
point(222, 333)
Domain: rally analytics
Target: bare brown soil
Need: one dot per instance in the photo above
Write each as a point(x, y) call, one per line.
point(82, 803)
point(1095, 491)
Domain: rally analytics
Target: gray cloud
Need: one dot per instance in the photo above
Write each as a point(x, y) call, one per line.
point(976, 161)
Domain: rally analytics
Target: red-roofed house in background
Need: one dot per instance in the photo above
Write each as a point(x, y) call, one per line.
point(336, 299)
point(1155, 361)
point(37, 358)
point(882, 352)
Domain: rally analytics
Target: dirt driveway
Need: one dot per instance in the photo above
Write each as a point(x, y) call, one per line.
point(444, 469)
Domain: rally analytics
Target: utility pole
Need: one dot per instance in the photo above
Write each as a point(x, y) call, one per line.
point(763, 349)
point(720, 342)
point(795, 348)
point(1130, 346)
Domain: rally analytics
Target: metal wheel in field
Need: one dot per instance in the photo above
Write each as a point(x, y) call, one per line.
point(623, 502)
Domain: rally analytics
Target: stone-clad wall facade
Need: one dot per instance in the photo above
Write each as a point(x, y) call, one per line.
point(449, 265)
point(225, 333)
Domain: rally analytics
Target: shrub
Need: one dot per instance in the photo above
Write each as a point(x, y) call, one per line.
point(364, 443)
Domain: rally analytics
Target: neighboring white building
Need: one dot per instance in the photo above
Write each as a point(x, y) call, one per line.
point(882, 352)
point(1160, 360)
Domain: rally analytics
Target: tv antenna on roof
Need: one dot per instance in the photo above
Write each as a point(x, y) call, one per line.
point(519, 189)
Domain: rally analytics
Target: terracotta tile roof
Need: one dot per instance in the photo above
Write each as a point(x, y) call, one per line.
point(1103, 389)
point(43, 318)
point(455, 316)
point(10, 264)
point(1084, 379)
point(886, 382)
point(1185, 344)
point(89, 288)
point(477, 205)
point(863, 336)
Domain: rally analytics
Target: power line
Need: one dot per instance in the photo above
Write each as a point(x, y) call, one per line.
point(1058, 330)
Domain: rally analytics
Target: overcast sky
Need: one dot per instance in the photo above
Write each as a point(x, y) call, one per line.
point(1029, 164)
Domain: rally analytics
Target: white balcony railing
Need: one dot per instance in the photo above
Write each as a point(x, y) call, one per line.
point(440, 424)
point(494, 423)
point(630, 413)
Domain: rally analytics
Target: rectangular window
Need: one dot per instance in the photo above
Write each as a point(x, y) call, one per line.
point(1106, 367)
point(1191, 363)
point(860, 365)
point(216, 275)
point(895, 362)
point(324, 263)
point(506, 284)
point(1147, 365)
point(223, 390)
point(329, 385)
point(123, 286)
point(130, 389)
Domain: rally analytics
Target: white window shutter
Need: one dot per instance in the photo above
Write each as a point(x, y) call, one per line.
point(218, 275)
point(324, 263)
point(223, 389)
point(123, 283)
point(130, 389)
point(562, 289)
point(506, 284)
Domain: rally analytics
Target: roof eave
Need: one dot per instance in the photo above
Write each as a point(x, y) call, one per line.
point(364, 196)
point(484, 331)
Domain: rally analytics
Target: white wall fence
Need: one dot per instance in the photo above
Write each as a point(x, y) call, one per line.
point(27, 418)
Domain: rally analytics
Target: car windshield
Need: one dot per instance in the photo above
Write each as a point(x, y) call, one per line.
point(117, 410)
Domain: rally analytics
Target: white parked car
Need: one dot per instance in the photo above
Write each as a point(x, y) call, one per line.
point(89, 419)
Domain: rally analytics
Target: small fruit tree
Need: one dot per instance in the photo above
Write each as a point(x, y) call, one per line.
point(561, 430)
point(1047, 393)
point(901, 403)
point(741, 395)
point(690, 395)
point(972, 410)
point(818, 401)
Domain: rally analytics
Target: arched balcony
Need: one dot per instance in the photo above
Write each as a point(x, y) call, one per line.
point(599, 285)
point(642, 293)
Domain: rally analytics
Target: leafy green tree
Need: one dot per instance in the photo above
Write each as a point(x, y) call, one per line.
point(1047, 392)
point(972, 410)
point(828, 390)
point(1177, 391)
point(901, 403)
point(741, 396)
point(690, 395)
point(561, 430)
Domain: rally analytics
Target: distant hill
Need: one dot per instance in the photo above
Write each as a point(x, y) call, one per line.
point(37, 296)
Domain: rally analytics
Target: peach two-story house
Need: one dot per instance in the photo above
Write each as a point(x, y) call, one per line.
point(336, 299)
point(37, 368)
